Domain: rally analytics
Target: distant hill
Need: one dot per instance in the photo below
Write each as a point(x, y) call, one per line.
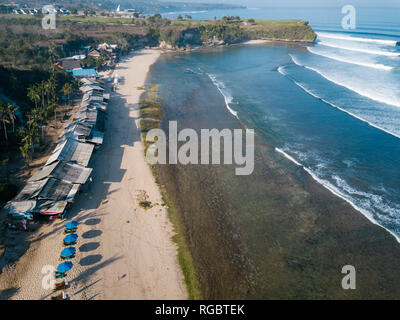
point(145, 6)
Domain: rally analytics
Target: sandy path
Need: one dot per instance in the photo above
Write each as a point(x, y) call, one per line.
point(123, 251)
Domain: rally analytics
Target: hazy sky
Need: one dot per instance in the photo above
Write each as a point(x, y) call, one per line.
point(313, 3)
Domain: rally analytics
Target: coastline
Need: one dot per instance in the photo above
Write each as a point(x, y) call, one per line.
point(123, 250)
point(283, 234)
point(127, 251)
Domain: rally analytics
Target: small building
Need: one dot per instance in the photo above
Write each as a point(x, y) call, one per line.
point(63, 170)
point(94, 53)
point(92, 105)
point(50, 210)
point(91, 87)
point(21, 209)
point(48, 189)
point(82, 132)
point(91, 81)
point(70, 64)
point(30, 208)
point(72, 150)
point(87, 72)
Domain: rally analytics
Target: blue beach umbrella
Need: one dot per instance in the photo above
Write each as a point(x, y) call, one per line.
point(71, 225)
point(68, 252)
point(70, 238)
point(65, 266)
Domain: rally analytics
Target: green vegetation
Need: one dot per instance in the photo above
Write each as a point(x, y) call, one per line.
point(24, 44)
point(233, 30)
point(150, 111)
point(184, 257)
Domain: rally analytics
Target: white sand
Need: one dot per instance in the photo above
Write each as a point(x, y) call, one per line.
point(260, 41)
point(123, 251)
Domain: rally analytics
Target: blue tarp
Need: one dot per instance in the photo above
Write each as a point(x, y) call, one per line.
point(71, 238)
point(68, 252)
point(71, 225)
point(65, 266)
point(87, 72)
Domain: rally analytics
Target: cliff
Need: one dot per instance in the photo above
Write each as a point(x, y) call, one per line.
point(209, 33)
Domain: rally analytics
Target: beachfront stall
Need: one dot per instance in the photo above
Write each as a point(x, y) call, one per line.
point(48, 189)
point(30, 209)
point(82, 132)
point(65, 171)
point(72, 150)
point(54, 187)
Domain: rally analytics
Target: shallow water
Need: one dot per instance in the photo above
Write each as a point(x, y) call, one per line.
point(273, 230)
point(332, 108)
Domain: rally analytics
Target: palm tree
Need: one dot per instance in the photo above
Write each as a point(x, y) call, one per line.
point(30, 135)
point(41, 90)
point(4, 118)
point(25, 150)
point(67, 89)
point(34, 94)
point(11, 114)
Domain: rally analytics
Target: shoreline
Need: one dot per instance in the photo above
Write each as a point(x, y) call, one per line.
point(123, 250)
point(307, 232)
point(102, 272)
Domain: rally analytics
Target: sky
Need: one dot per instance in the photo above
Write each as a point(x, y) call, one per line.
point(308, 3)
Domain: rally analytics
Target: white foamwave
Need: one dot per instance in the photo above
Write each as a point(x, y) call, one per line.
point(375, 52)
point(336, 191)
point(356, 62)
point(342, 109)
point(358, 39)
point(281, 70)
point(366, 94)
point(193, 71)
point(227, 97)
point(288, 157)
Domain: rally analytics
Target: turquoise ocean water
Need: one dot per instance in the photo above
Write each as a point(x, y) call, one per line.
point(332, 107)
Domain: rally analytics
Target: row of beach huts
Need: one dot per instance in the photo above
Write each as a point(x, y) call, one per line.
point(54, 187)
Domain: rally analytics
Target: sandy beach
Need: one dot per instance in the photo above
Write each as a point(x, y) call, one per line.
point(123, 251)
point(259, 41)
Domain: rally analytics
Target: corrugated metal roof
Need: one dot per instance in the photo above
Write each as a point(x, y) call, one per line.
point(88, 81)
point(91, 87)
point(30, 190)
point(88, 116)
point(48, 189)
point(96, 137)
point(72, 172)
point(91, 104)
point(43, 173)
point(71, 64)
point(72, 150)
point(90, 95)
point(62, 170)
point(76, 130)
point(27, 208)
point(20, 207)
point(50, 207)
point(55, 189)
point(97, 98)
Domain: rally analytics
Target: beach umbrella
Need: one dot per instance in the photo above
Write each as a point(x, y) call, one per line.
point(65, 266)
point(70, 238)
point(71, 225)
point(68, 252)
